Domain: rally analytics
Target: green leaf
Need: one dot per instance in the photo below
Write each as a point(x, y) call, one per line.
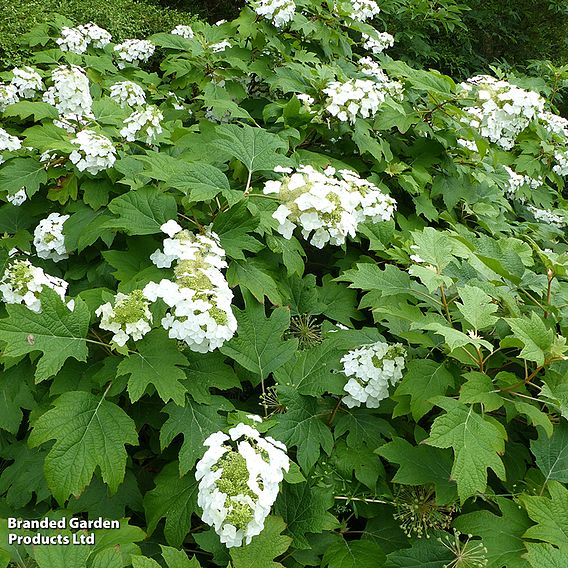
point(178, 558)
point(258, 345)
point(89, 431)
point(551, 453)
point(359, 461)
point(314, 371)
point(501, 535)
point(174, 498)
point(57, 332)
point(550, 515)
point(477, 443)
point(421, 465)
point(61, 556)
point(291, 251)
point(16, 395)
point(155, 363)
point(425, 553)
point(304, 509)
point(24, 476)
point(142, 212)
point(24, 109)
point(423, 380)
point(144, 562)
point(234, 228)
point(256, 148)
point(542, 555)
point(195, 422)
point(434, 247)
point(207, 371)
point(363, 427)
point(533, 336)
point(301, 426)
point(555, 394)
point(200, 182)
point(339, 302)
point(477, 307)
point(262, 550)
point(354, 554)
point(48, 137)
point(107, 558)
point(479, 388)
point(250, 274)
point(22, 172)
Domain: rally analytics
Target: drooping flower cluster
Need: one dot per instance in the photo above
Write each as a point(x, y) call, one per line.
point(548, 217)
point(501, 111)
point(239, 478)
point(17, 198)
point(146, 121)
point(221, 46)
point(361, 10)
point(372, 368)
point(8, 142)
point(70, 93)
point(359, 97)
point(279, 12)
point(22, 283)
point(128, 93)
point(199, 299)
point(78, 39)
point(133, 51)
point(27, 81)
point(518, 181)
point(183, 31)
point(49, 240)
point(8, 95)
point(96, 152)
point(331, 204)
point(379, 42)
point(130, 317)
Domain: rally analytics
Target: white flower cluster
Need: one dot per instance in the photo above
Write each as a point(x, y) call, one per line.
point(361, 10)
point(183, 31)
point(22, 283)
point(133, 51)
point(238, 485)
point(147, 120)
point(279, 12)
point(78, 39)
point(378, 43)
point(517, 181)
point(70, 93)
point(17, 198)
point(8, 95)
point(96, 152)
point(129, 318)
point(359, 97)
point(27, 81)
point(221, 46)
point(547, 217)
point(127, 93)
point(371, 368)
point(501, 110)
point(8, 142)
point(561, 166)
point(199, 300)
point(49, 240)
point(331, 205)
point(554, 123)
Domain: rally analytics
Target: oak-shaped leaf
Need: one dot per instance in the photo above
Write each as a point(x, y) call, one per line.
point(89, 432)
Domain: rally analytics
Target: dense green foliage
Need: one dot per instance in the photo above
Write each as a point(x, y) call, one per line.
point(460, 295)
point(123, 18)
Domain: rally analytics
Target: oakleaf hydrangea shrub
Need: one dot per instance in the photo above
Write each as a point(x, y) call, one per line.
point(272, 216)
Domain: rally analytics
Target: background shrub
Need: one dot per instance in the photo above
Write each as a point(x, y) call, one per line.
point(122, 18)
